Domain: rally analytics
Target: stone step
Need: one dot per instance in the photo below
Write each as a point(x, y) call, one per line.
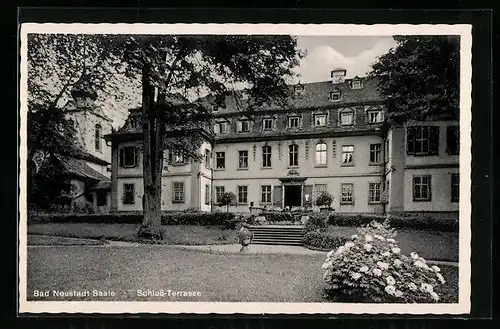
point(275, 237)
point(277, 234)
point(281, 243)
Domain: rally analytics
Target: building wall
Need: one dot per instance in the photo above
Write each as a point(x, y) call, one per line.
point(396, 169)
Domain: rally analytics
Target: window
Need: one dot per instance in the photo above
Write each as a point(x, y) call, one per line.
point(244, 126)
point(374, 190)
point(455, 187)
point(175, 158)
point(321, 154)
point(319, 188)
point(128, 193)
point(293, 122)
point(177, 192)
point(387, 149)
point(347, 154)
point(242, 194)
point(375, 153)
point(221, 128)
point(265, 194)
point(128, 157)
point(334, 96)
point(208, 155)
point(102, 199)
point(347, 194)
point(242, 159)
point(422, 188)
point(299, 90)
point(220, 160)
point(356, 84)
point(98, 137)
point(422, 140)
point(320, 120)
point(293, 155)
point(207, 194)
point(267, 124)
point(375, 116)
point(346, 118)
point(219, 191)
point(266, 156)
point(453, 140)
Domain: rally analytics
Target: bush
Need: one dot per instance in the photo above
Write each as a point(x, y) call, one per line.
point(324, 199)
point(167, 218)
point(425, 222)
point(278, 216)
point(371, 268)
point(322, 240)
point(316, 222)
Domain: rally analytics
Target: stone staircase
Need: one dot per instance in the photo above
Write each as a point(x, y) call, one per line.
point(290, 235)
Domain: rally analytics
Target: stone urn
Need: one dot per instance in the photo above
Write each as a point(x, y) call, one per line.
point(245, 237)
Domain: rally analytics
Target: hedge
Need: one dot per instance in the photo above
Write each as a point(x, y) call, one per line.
point(417, 222)
point(321, 240)
point(167, 218)
point(316, 222)
point(275, 216)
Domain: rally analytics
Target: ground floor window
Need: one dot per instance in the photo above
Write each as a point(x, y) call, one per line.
point(266, 194)
point(177, 192)
point(422, 188)
point(128, 193)
point(374, 190)
point(455, 187)
point(219, 191)
point(347, 195)
point(242, 194)
point(101, 198)
point(207, 194)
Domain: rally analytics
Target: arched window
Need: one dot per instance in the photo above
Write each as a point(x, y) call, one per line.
point(98, 129)
point(321, 154)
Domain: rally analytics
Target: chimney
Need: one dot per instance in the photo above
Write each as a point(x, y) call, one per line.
point(338, 75)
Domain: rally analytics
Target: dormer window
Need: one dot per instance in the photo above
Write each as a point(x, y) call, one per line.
point(356, 84)
point(346, 117)
point(221, 128)
point(299, 90)
point(320, 120)
point(244, 126)
point(375, 116)
point(267, 124)
point(293, 122)
point(335, 95)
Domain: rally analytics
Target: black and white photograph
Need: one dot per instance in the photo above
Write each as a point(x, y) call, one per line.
point(245, 168)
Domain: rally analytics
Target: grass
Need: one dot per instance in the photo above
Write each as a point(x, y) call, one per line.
point(428, 244)
point(37, 240)
point(221, 278)
point(174, 234)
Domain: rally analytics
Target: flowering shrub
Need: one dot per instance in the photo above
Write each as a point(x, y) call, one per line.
point(371, 268)
point(321, 240)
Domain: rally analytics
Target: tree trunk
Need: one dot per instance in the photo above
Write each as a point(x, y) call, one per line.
point(152, 161)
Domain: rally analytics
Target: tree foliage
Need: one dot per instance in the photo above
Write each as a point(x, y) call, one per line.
point(227, 199)
point(419, 78)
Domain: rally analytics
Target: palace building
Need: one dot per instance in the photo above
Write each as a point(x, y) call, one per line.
point(332, 137)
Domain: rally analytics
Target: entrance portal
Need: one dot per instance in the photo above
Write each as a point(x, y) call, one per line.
point(293, 196)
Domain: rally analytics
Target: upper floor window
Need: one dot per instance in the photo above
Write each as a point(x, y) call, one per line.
point(346, 118)
point(375, 153)
point(320, 120)
point(221, 127)
point(299, 90)
point(453, 140)
point(266, 156)
point(293, 122)
point(220, 160)
point(267, 124)
point(242, 159)
point(208, 155)
point(128, 157)
point(375, 116)
point(175, 157)
point(422, 140)
point(321, 154)
point(98, 131)
point(293, 155)
point(335, 95)
point(347, 154)
point(356, 84)
point(244, 126)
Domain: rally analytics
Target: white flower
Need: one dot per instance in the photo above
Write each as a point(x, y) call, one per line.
point(340, 250)
point(355, 275)
point(412, 286)
point(363, 269)
point(397, 262)
point(327, 275)
point(436, 269)
point(377, 272)
point(327, 265)
point(367, 247)
point(354, 237)
point(349, 244)
point(383, 265)
point(330, 253)
point(426, 288)
point(391, 240)
point(418, 263)
point(398, 293)
point(368, 238)
point(434, 296)
point(379, 237)
point(386, 254)
point(390, 280)
point(414, 255)
point(440, 278)
point(396, 250)
point(390, 289)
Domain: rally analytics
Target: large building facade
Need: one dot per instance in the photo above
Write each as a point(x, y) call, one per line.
point(330, 137)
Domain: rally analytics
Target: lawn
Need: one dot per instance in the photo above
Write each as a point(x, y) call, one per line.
point(428, 244)
point(223, 278)
point(174, 234)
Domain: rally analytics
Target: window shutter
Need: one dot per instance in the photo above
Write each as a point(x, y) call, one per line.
point(410, 140)
point(434, 141)
point(429, 180)
point(136, 156)
point(308, 190)
point(122, 155)
point(277, 196)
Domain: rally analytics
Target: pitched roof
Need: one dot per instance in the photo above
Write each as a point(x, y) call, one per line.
point(78, 167)
point(103, 185)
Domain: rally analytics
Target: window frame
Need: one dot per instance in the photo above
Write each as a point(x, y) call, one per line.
point(240, 156)
point(455, 187)
point(371, 199)
point(125, 200)
point(346, 112)
point(323, 153)
point(182, 198)
point(293, 155)
point(97, 138)
point(245, 194)
point(222, 124)
point(266, 156)
point(266, 196)
point(207, 194)
point(359, 82)
point(219, 192)
point(376, 152)
point(415, 137)
point(289, 121)
point(269, 120)
point(342, 200)
point(217, 158)
point(247, 123)
point(378, 112)
point(124, 162)
point(320, 115)
point(453, 132)
point(335, 92)
point(351, 162)
point(208, 158)
point(421, 184)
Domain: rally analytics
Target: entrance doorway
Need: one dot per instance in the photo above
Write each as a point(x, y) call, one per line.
point(293, 196)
